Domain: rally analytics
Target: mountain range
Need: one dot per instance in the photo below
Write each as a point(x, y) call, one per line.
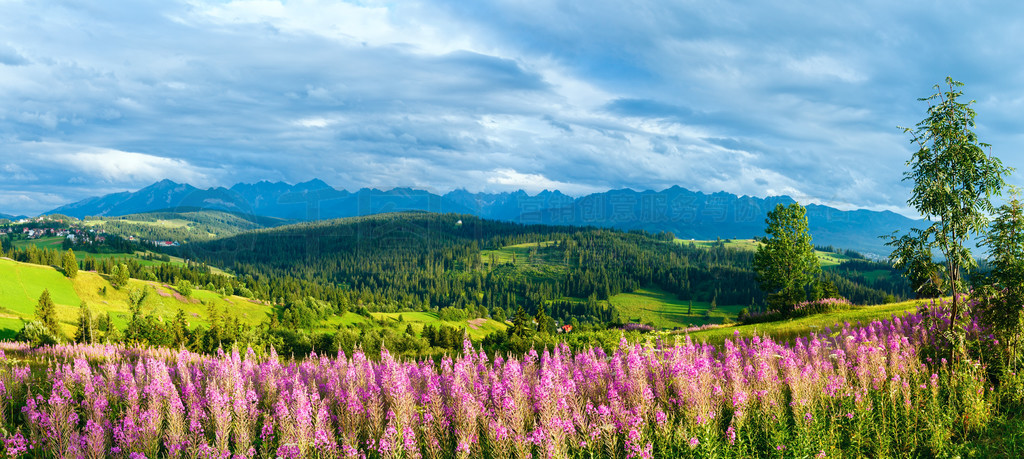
point(687, 214)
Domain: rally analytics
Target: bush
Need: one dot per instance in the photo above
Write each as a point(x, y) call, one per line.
point(823, 305)
point(184, 287)
point(450, 314)
point(643, 328)
point(36, 333)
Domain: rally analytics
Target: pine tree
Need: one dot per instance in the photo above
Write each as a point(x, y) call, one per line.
point(520, 323)
point(46, 312)
point(179, 328)
point(785, 262)
point(70, 264)
point(86, 327)
point(542, 320)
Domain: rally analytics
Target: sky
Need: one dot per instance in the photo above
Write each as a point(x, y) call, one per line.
point(773, 97)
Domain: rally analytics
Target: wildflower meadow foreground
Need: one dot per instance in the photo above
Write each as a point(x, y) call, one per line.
point(857, 391)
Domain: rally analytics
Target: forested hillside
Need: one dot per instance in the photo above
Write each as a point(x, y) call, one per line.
point(423, 261)
point(182, 225)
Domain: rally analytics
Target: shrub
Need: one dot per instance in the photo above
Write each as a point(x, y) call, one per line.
point(450, 314)
point(37, 334)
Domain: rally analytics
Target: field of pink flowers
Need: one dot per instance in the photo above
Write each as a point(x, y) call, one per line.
point(857, 391)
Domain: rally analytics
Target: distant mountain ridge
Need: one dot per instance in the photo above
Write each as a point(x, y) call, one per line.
point(687, 214)
point(11, 217)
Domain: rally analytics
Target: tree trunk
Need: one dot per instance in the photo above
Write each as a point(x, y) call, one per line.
point(954, 277)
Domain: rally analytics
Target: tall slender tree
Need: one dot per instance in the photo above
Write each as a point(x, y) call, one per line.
point(86, 326)
point(70, 264)
point(954, 181)
point(46, 312)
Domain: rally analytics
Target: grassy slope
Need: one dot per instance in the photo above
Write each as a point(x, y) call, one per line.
point(522, 255)
point(20, 287)
point(789, 329)
point(477, 328)
point(664, 310)
point(52, 242)
point(22, 283)
point(827, 259)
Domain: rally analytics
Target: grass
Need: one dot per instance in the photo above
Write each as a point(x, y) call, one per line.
point(52, 242)
point(22, 283)
point(790, 329)
point(521, 253)
point(738, 244)
point(664, 310)
point(826, 259)
point(476, 328)
point(350, 318)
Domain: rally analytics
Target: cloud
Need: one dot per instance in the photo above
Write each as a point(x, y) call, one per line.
point(114, 166)
point(535, 183)
point(16, 173)
point(11, 56)
point(752, 98)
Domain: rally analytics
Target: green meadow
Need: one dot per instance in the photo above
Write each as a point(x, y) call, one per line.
point(22, 283)
point(51, 242)
point(664, 310)
point(521, 254)
point(785, 330)
point(827, 259)
point(475, 328)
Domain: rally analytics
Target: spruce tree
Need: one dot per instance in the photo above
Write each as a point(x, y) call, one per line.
point(86, 328)
point(785, 263)
point(46, 312)
point(70, 264)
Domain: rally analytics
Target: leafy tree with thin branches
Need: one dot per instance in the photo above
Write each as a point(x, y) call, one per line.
point(954, 181)
point(1004, 285)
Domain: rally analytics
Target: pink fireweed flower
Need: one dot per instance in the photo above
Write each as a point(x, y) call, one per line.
point(694, 442)
point(15, 445)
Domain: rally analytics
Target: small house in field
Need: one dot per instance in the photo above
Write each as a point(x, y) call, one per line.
point(565, 328)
